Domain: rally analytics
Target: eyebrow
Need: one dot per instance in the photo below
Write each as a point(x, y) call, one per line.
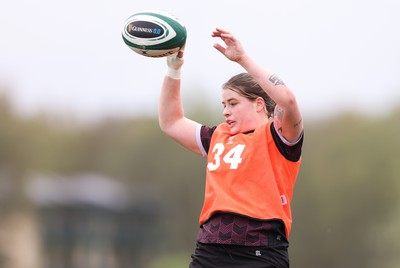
point(229, 100)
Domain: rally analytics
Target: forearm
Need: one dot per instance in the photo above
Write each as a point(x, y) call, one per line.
point(287, 113)
point(172, 119)
point(275, 88)
point(170, 107)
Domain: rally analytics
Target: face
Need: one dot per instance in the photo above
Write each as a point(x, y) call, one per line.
point(241, 114)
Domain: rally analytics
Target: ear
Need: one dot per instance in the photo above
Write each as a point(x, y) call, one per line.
point(260, 104)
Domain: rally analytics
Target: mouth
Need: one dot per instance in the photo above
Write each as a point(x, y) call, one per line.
point(230, 123)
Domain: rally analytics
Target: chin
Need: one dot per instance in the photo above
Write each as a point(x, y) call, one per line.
point(234, 131)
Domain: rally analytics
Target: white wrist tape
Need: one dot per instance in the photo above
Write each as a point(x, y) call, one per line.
point(174, 74)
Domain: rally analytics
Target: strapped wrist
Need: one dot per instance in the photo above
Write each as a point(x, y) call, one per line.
point(174, 74)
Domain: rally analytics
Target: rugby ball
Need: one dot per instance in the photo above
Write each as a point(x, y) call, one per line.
point(154, 33)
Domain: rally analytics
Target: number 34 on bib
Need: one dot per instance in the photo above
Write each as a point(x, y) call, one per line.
point(232, 158)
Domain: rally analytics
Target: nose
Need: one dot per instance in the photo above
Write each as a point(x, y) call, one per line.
point(226, 112)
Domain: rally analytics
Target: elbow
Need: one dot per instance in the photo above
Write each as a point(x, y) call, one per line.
point(163, 125)
point(167, 126)
point(168, 120)
point(288, 102)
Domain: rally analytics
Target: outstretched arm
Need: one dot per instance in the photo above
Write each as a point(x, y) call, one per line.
point(170, 112)
point(287, 112)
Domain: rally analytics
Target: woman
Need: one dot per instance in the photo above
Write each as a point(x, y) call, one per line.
point(253, 162)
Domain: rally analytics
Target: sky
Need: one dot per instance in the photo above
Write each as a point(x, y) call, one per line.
point(68, 57)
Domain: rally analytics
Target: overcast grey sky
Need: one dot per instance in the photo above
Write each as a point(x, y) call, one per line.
point(69, 57)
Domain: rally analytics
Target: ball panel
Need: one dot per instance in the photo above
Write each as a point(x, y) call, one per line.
point(155, 53)
point(144, 29)
point(157, 30)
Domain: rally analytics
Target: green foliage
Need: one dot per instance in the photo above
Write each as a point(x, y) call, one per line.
point(346, 199)
point(178, 260)
point(347, 194)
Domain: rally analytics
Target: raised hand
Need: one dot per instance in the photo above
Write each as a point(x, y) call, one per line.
point(233, 49)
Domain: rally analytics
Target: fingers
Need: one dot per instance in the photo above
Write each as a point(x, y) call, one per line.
point(174, 61)
point(181, 51)
point(225, 36)
point(176, 57)
point(232, 48)
point(219, 32)
point(220, 48)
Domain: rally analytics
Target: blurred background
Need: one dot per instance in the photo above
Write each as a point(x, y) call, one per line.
point(87, 179)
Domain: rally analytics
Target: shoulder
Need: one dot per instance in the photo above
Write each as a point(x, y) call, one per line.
point(204, 135)
point(290, 150)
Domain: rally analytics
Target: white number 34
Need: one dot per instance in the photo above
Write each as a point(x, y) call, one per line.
point(233, 157)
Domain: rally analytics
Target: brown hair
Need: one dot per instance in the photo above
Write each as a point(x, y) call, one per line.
point(244, 85)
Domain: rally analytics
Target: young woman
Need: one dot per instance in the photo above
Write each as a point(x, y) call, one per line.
point(253, 159)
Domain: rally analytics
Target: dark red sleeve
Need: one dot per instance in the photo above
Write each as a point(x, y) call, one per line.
point(290, 152)
point(205, 136)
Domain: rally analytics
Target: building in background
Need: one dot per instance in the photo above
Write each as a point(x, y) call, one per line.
point(87, 221)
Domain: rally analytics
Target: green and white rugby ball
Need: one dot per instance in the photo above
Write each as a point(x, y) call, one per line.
point(154, 33)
